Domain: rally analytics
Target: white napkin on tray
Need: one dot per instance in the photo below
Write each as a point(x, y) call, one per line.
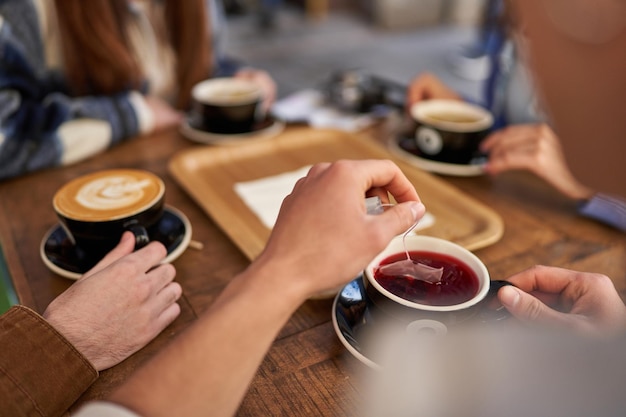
point(264, 196)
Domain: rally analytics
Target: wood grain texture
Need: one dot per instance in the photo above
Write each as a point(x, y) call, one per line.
point(307, 371)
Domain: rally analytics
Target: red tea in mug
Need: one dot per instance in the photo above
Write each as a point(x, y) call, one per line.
point(459, 283)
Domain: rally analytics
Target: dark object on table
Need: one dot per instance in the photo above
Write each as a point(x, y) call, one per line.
point(355, 91)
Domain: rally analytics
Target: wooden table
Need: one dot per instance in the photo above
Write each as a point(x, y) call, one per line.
point(307, 371)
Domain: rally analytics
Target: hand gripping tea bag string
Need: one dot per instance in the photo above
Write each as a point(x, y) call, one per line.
point(405, 267)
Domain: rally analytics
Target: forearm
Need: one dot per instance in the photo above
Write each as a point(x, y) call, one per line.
point(208, 370)
point(41, 126)
point(62, 131)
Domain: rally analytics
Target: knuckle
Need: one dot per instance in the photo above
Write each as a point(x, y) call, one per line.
point(168, 270)
point(157, 249)
point(533, 309)
point(142, 290)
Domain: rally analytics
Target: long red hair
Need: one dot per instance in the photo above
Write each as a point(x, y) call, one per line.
point(97, 54)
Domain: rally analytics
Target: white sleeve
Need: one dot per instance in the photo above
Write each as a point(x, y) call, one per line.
point(104, 409)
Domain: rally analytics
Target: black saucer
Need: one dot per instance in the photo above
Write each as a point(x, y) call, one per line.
point(354, 325)
point(264, 129)
point(61, 256)
point(351, 320)
point(405, 147)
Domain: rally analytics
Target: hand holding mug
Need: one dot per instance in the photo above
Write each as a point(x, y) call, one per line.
point(120, 305)
point(580, 301)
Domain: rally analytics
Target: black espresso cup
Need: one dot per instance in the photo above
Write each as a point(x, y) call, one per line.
point(97, 208)
point(450, 131)
point(226, 106)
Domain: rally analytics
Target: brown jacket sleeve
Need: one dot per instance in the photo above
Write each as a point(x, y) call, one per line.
point(41, 373)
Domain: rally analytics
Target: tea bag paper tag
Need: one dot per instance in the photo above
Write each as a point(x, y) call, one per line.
point(264, 196)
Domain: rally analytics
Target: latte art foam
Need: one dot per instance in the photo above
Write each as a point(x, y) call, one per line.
point(109, 195)
point(112, 193)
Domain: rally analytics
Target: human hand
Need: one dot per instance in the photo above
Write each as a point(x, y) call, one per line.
point(164, 115)
point(536, 148)
point(323, 236)
point(580, 301)
point(427, 86)
point(120, 305)
point(263, 80)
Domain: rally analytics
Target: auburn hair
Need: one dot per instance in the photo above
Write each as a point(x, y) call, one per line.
point(97, 53)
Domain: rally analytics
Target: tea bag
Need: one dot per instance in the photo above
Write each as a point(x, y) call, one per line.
point(413, 269)
point(405, 267)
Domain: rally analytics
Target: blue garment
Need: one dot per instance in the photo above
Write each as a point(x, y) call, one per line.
point(41, 124)
point(607, 209)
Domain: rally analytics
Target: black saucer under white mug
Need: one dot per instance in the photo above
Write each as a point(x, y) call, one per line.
point(406, 148)
point(356, 327)
point(64, 258)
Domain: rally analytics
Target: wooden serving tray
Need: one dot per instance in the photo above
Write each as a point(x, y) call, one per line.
point(209, 174)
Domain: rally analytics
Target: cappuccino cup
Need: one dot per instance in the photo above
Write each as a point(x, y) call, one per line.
point(464, 293)
point(97, 208)
point(226, 105)
point(450, 131)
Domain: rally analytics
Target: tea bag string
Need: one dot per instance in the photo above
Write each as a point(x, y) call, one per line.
point(405, 267)
point(408, 231)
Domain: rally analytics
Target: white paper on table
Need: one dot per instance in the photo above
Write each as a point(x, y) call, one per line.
point(264, 196)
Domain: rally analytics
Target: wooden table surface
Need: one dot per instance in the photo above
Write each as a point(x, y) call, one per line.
point(307, 370)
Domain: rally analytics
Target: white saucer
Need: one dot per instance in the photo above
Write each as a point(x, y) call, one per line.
point(444, 168)
point(272, 128)
point(57, 251)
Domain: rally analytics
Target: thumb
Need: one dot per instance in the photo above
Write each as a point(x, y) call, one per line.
point(123, 248)
point(527, 308)
point(400, 217)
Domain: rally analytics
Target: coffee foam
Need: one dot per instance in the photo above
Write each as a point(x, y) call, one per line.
point(226, 92)
point(108, 195)
point(427, 111)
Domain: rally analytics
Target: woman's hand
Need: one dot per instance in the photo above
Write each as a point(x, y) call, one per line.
point(536, 148)
point(263, 80)
point(426, 87)
point(164, 115)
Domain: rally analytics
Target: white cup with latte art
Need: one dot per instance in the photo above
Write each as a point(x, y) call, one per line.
point(97, 208)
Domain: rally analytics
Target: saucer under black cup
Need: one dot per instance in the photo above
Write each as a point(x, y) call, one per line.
point(355, 321)
point(61, 256)
point(257, 126)
point(409, 145)
point(267, 128)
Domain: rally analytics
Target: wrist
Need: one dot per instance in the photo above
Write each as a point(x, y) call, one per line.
point(277, 278)
point(145, 115)
point(582, 193)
